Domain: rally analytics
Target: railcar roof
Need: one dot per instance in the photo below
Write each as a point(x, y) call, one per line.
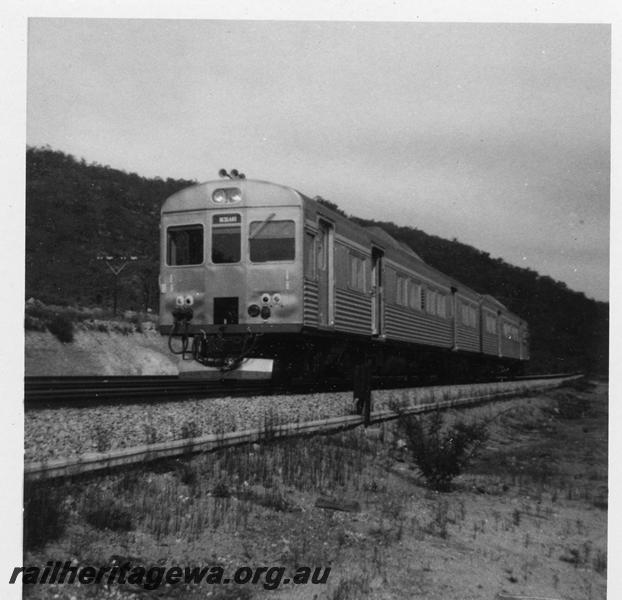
point(197, 197)
point(391, 241)
point(494, 301)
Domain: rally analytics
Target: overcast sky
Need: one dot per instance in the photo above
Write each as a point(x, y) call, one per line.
point(497, 135)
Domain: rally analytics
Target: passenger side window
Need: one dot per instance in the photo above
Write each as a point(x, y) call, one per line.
point(491, 324)
point(430, 302)
point(401, 291)
point(414, 296)
point(441, 305)
point(469, 316)
point(310, 264)
point(357, 272)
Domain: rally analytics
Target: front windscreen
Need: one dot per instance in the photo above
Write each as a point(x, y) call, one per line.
point(184, 245)
point(271, 240)
point(226, 238)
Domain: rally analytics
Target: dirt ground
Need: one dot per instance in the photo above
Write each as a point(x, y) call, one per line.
point(528, 516)
point(98, 353)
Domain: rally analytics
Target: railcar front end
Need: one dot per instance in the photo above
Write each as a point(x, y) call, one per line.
point(231, 275)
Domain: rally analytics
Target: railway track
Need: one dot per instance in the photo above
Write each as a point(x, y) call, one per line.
point(57, 392)
point(443, 398)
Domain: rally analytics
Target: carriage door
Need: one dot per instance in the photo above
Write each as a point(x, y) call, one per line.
point(376, 291)
point(325, 260)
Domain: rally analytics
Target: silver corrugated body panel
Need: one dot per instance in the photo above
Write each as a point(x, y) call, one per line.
point(310, 310)
point(352, 312)
point(468, 339)
point(489, 344)
point(417, 327)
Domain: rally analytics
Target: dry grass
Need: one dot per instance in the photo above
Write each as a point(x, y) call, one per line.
point(527, 517)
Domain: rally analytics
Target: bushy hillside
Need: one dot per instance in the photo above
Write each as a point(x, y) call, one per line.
point(75, 211)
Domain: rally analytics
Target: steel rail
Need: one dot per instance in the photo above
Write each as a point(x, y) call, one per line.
point(58, 392)
point(92, 462)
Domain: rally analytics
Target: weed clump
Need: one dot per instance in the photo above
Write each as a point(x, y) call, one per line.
point(571, 406)
point(441, 453)
point(110, 517)
point(33, 324)
point(349, 589)
point(103, 511)
point(62, 328)
point(190, 429)
point(44, 515)
point(581, 385)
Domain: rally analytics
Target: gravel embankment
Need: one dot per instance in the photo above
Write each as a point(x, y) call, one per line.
point(68, 432)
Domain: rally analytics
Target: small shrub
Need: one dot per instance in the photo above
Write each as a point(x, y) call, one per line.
point(33, 324)
point(44, 516)
point(441, 454)
point(190, 429)
point(599, 562)
point(581, 385)
point(441, 518)
point(397, 405)
point(601, 501)
point(570, 406)
point(188, 475)
point(110, 517)
point(62, 328)
point(572, 556)
point(122, 328)
point(221, 490)
point(151, 433)
point(102, 509)
point(351, 589)
point(103, 438)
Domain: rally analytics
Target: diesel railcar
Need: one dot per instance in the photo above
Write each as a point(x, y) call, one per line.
point(259, 280)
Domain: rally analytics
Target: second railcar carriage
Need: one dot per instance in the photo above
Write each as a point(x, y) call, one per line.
point(258, 280)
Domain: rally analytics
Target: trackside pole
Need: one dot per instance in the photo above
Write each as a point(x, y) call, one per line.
point(362, 390)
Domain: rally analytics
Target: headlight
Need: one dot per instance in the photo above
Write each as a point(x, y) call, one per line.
point(219, 196)
point(276, 298)
point(179, 300)
point(226, 195)
point(265, 312)
point(265, 298)
point(189, 300)
point(253, 310)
